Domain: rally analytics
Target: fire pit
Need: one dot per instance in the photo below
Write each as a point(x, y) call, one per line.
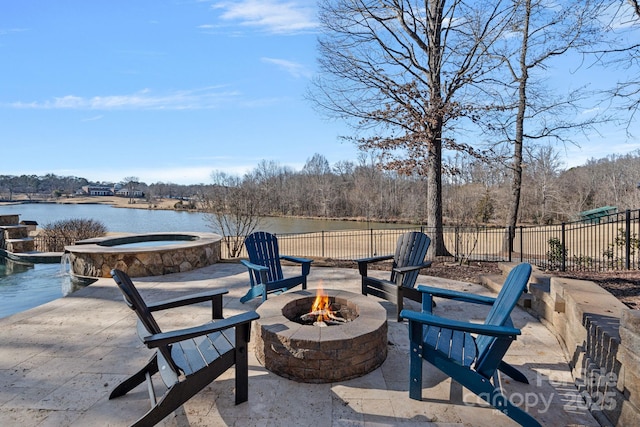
point(345, 339)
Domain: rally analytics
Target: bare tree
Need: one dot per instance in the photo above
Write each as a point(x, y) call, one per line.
point(131, 183)
point(541, 31)
point(402, 72)
point(622, 51)
point(318, 176)
point(232, 208)
point(542, 168)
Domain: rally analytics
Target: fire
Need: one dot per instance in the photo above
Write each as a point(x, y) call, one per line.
point(323, 313)
point(321, 306)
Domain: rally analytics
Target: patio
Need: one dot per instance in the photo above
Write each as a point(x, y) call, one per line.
point(59, 362)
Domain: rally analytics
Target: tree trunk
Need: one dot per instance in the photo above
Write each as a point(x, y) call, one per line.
point(434, 199)
point(434, 130)
point(516, 182)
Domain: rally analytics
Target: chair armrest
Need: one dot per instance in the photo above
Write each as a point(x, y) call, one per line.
point(374, 259)
point(409, 268)
point(166, 338)
point(296, 259)
point(474, 328)
point(456, 295)
point(364, 262)
point(252, 266)
point(305, 263)
point(188, 299)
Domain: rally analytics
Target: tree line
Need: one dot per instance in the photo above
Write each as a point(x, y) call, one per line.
point(474, 192)
point(490, 79)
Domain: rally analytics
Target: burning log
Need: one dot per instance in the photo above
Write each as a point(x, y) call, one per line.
point(322, 318)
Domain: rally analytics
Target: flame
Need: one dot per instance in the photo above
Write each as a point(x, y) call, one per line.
point(321, 305)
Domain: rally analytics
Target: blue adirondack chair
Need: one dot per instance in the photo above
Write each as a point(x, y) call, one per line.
point(471, 360)
point(408, 259)
point(265, 270)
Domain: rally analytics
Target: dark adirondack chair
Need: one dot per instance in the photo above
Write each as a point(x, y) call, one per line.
point(187, 359)
point(407, 261)
point(471, 360)
point(265, 270)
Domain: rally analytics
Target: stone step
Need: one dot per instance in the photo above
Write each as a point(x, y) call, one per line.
point(494, 282)
point(9, 219)
point(15, 231)
point(26, 244)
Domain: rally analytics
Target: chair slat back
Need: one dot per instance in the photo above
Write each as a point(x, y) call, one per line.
point(500, 313)
point(411, 249)
point(135, 302)
point(262, 248)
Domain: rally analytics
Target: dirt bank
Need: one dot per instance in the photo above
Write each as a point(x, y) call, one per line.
point(119, 202)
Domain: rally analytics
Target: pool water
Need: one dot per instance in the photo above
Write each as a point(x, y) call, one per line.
point(147, 244)
point(25, 286)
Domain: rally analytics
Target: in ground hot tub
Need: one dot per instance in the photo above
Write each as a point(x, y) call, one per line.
point(138, 255)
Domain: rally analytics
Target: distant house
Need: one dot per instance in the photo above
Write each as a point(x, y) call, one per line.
point(126, 192)
point(90, 190)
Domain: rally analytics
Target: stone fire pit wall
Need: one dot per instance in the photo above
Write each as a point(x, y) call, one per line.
point(313, 354)
point(96, 257)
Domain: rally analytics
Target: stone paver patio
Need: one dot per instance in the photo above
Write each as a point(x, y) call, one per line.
point(59, 362)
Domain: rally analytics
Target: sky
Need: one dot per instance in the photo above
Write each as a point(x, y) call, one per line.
point(171, 91)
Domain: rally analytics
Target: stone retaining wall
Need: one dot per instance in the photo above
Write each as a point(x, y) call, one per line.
point(601, 337)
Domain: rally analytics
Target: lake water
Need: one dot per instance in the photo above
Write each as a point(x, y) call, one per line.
point(150, 221)
point(23, 287)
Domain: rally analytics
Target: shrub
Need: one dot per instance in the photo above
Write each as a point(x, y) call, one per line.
point(68, 231)
point(555, 254)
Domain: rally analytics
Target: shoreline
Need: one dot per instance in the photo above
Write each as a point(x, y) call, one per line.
point(163, 204)
point(114, 201)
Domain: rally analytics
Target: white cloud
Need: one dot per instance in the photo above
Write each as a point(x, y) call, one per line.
point(273, 16)
point(295, 69)
point(11, 31)
point(203, 98)
point(92, 119)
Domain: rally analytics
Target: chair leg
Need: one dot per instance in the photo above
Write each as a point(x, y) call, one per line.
point(172, 400)
point(242, 363)
point(254, 292)
point(136, 379)
point(512, 372)
point(415, 360)
point(491, 394)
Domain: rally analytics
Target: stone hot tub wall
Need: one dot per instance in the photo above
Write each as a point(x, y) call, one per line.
point(95, 258)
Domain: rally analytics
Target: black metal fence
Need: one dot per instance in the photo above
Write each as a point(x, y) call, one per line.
point(51, 244)
point(609, 243)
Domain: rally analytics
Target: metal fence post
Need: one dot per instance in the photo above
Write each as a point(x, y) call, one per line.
point(455, 246)
point(521, 244)
point(371, 242)
point(563, 266)
point(627, 239)
point(510, 245)
point(322, 243)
